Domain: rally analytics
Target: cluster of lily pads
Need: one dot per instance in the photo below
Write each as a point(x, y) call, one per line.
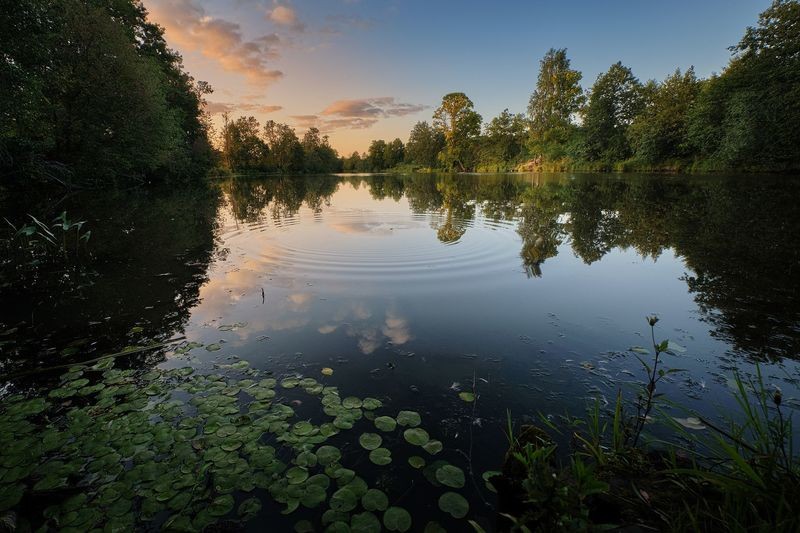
point(116, 449)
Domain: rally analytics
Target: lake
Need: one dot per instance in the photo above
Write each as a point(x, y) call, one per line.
point(307, 308)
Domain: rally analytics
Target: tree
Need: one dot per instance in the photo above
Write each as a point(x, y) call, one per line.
point(243, 148)
point(660, 131)
point(557, 98)
point(318, 155)
point(615, 99)
point(394, 153)
point(286, 152)
point(375, 156)
point(504, 139)
point(460, 125)
point(424, 144)
point(91, 86)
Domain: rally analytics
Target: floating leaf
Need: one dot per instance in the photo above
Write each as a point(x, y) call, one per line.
point(450, 476)
point(487, 476)
point(370, 441)
point(213, 347)
point(416, 436)
point(296, 475)
point(380, 456)
point(454, 504)
point(385, 423)
point(249, 508)
point(327, 371)
point(365, 523)
point(416, 461)
point(409, 418)
point(674, 347)
point(221, 506)
point(433, 446)
point(343, 500)
point(467, 396)
point(328, 454)
point(351, 402)
point(397, 519)
point(374, 500)
point(371, 404)
point(434, 527)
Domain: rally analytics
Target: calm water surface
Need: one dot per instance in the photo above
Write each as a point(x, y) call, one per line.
point(530, 290)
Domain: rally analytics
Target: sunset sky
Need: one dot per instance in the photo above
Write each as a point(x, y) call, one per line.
point(368, 69)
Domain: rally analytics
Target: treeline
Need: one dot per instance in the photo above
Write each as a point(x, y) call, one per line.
point(244, 146)
point(91, 92)
point(746, 118)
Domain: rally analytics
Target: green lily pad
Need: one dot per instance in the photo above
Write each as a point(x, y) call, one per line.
point(416, 461)
point(467, 396)
point(450, 476)
point(487, 476)
point(351, 402)
point(313, 496)
point(365, 523)
point(416, 436)
point(296, 475)
point(371, 404)
point(433, 446)
point(221, 506)
point(380, 456)
point(213, 347)
point(370, 441)
point(409, 418)
point(343, 500)
point(328, 454)
point(375, 500)
point(249, 508)
point(338, 527)
point(385, 423)
point(454, 504)
point(397, 519)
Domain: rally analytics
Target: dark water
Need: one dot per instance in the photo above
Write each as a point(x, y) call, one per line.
point(530, 290)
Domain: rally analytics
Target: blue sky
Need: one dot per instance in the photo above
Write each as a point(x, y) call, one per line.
point(364, 69)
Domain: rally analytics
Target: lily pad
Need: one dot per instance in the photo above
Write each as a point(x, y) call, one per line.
point(375, 500)
point(296, 475)
point(416, 461)
point(221, 506)
point(380, 456)
point(416, 436)
point(370, 441)
point(397, 519)
point(327, 371)
point(467, 396)
point(351, 402)
point(450, 476)
point(365, 523)
point(343, 500)
point(385, 423)
point(328, 454)
point(371, 404)
point(433, 446)
point(454, 504)
point(409, 418)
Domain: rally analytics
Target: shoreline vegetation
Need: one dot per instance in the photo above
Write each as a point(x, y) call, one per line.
point(116, 108)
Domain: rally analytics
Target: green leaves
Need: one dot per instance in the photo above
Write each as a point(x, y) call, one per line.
point(380, 456)
point(374, 500)
point(343, 500)
point(385, 423)
point(467, 396)
point(454, 504)
point(397, 519)
point(370, 441)
point(409, 418)
point(450, 476)
point(416, 436)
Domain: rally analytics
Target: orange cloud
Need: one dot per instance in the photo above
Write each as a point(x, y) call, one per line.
point(385, 106)
point(285, 16)
point(189, 27)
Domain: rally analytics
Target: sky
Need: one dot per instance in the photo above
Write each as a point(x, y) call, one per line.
point(369, 69)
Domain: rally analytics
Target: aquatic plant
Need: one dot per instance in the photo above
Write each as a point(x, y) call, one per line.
point(179, 450)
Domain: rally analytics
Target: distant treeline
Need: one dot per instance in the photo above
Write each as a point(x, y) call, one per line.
point(746, 118)
point(90, 92)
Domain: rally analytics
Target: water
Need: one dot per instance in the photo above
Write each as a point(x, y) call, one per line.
point(529, 290)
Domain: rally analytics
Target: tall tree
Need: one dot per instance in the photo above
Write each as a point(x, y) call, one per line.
point(614, 101)
point(286, 152)
point(460, 124)
point(376, 154)
point(424, 144)
point(660, 132)
point(503, 141)
point(394, 153)
point(554, 103)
